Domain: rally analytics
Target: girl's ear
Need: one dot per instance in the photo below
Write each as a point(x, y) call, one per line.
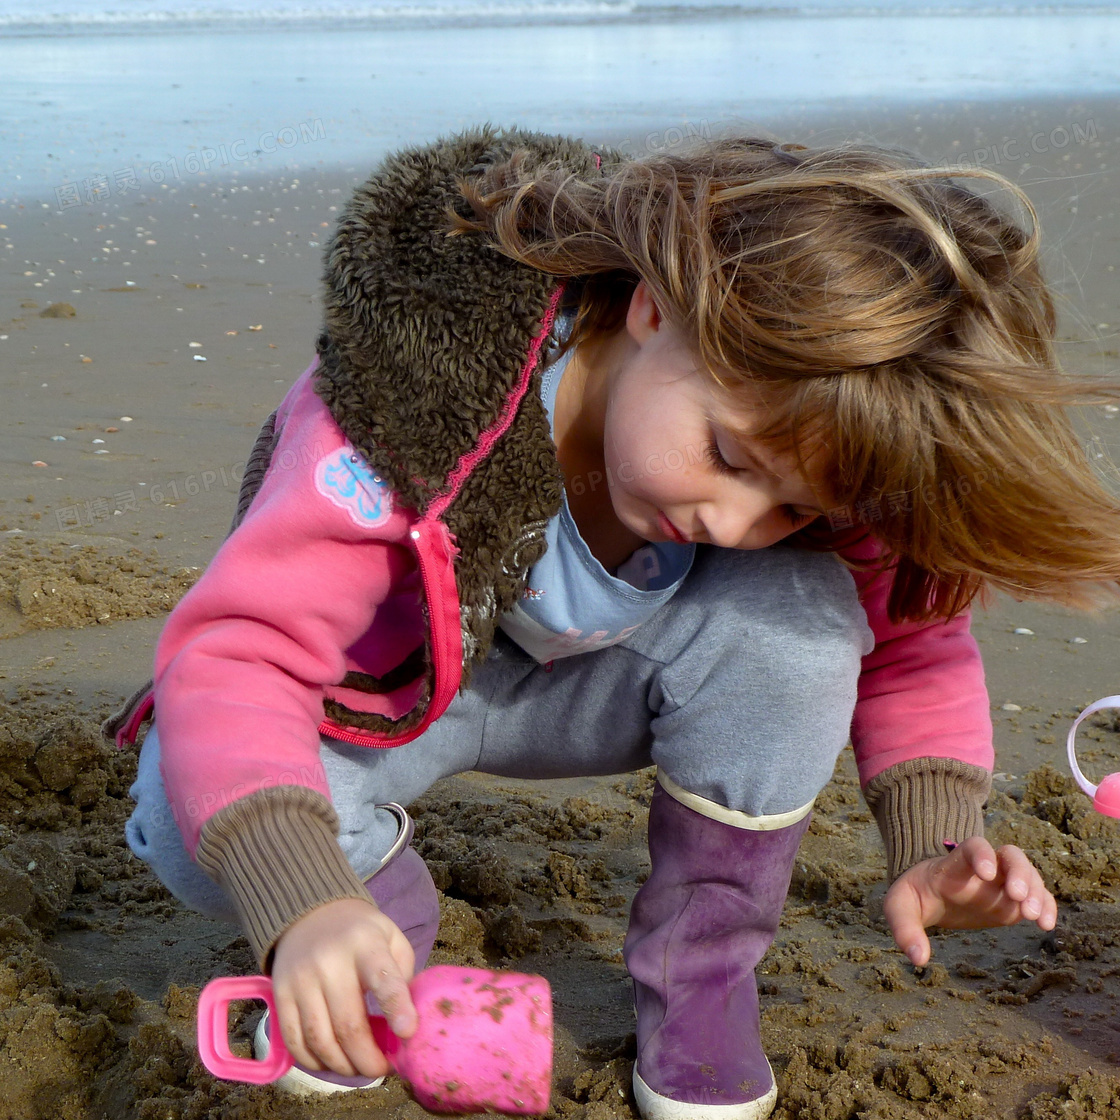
point(642, 317)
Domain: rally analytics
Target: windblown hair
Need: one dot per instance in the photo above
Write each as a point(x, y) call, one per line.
point(894, 324)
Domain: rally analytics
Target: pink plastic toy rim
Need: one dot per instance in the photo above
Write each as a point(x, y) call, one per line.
point(1082, 781)
point(213, 1031)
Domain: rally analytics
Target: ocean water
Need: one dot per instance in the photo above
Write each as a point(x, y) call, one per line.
point(80, 16)
point(102, 98)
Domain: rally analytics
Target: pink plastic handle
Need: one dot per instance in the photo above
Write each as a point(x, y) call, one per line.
point(213, 1031)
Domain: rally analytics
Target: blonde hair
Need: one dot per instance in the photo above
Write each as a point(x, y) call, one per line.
point(894, 324)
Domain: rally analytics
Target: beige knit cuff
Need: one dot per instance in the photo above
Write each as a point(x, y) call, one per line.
point(276, 854)
point(920, 803)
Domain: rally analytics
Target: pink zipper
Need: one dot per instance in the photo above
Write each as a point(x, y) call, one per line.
point(435, 551)
point(362, 739)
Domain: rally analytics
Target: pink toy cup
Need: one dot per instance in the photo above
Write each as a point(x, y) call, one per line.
point(1106, 796)
point(483, 1044)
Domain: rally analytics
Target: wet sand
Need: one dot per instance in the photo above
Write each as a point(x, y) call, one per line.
point(100, 967)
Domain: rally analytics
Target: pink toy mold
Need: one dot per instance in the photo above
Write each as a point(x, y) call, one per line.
point(483, 1044)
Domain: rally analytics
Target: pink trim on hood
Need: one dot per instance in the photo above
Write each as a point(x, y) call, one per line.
point(496, 430)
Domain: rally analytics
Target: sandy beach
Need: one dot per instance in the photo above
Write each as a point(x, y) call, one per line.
point(143, 339)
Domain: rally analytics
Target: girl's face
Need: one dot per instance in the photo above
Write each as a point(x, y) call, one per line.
point(680, 463)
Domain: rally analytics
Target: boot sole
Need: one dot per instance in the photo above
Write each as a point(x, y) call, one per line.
point(653, 1106)
point(297, 1081)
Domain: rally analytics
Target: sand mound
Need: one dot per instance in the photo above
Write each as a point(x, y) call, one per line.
point(49, 584)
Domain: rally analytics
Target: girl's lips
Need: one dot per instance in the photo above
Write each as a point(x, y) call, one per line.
point(669, 529)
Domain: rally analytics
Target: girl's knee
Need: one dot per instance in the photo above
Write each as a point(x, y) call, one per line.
point(786, 610)
point(810, 593)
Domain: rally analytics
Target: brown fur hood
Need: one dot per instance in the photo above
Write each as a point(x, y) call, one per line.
point(425, 336)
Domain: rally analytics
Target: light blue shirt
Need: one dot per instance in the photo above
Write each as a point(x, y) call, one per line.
point(571, 603)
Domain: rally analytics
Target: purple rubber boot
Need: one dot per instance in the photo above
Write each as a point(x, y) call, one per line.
point(698, 927)
point(403, 889)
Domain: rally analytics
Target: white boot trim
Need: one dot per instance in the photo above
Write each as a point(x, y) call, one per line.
point(653, 1106)
point(733, 817)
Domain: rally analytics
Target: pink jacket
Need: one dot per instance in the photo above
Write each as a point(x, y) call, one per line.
point(319, 579)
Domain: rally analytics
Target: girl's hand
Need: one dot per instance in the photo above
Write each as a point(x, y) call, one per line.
point(972, 887)
point(323, 965)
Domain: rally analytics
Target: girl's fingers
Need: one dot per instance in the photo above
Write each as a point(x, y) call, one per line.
point(1015, 891)
point(979, 856)
point(384, 980)
point(291, 1030)
point(349, 1022)
point(319, 1039)
point(1019, 874)
point(1049, 917)
point(1024, 884)
point(903, 913)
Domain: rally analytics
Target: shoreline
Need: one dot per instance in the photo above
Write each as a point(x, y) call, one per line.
point(88, 107)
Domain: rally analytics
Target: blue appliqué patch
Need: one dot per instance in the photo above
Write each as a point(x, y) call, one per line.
point(348, 481)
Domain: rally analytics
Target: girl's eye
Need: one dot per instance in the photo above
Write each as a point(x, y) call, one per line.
point(715, 457)
point(797, 519)
point(789, 514)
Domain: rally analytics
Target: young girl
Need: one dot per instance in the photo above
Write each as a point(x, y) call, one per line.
point(695, 461)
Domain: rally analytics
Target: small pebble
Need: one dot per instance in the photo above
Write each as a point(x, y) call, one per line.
point(1023, 630)
point(112, 429)
point(130, 283)
point(227, 333)
point(1010, 708)
point(98, 441)
point(1078, 641)
point(59, 439)
point(258, 327)
point(85, 359)
point(195, 345)
point(126, 419)
point(38, 463)
point(199, 358)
